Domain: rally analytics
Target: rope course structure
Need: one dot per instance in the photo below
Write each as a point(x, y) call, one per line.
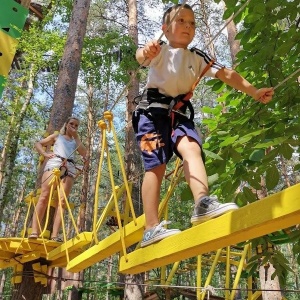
point(209, 243)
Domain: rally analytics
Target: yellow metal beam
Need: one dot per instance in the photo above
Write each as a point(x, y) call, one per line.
point(108, 246)
point(71, 245)
point(61, 262)
point(273, 213)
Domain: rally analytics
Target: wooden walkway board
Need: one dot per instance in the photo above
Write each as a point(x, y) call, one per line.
point(71, 245)
point(276, 212)
point(108, 246)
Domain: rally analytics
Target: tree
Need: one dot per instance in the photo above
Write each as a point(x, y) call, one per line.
point(62, 108)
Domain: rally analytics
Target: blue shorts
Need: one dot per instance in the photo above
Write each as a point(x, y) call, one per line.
point(156, 139)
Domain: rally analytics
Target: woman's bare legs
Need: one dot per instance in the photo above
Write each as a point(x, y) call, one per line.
point(42, 203)
point(66, 185)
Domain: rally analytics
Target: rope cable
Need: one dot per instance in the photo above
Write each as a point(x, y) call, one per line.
point(207, 288)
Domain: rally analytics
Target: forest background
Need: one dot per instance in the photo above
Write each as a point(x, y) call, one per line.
point(252, 150)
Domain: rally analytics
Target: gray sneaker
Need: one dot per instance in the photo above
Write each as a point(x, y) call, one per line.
point(157, 233)
point(208, 208)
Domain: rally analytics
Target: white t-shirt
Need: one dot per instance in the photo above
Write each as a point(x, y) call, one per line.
point(175, 70)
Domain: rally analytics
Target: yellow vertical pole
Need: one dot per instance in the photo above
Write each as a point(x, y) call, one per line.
point(211, 272)
point(199, 276)
point(172, 272)
point(250, 281)
point(239, 271)
point(102, 125)
point(163, 275)
point(109, 116)
point(227, 277)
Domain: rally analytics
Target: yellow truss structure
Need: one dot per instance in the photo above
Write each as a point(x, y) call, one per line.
point(274, 213)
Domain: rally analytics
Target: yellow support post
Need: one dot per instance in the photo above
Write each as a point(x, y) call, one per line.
point(228, 273)
point(239, 271)
point(199, 277)
point(211, 272)
point(172, 273)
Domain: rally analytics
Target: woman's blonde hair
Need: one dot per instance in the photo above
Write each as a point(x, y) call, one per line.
point(64, 127)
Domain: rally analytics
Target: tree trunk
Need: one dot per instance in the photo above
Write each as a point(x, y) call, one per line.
point(210, 48)
point(233, 43)
point(63, 103)
point(2, 284)
point(265, 273)
point(69, 69)
point(132, 290)
point(27, 289)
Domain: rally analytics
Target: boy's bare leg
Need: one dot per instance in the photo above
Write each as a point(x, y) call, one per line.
point(151, 194)
point(193, 166)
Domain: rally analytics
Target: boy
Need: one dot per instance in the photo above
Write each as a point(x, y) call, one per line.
point(174, 69)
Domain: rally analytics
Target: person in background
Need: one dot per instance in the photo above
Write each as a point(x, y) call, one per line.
point(162, 129)
point(65, 144)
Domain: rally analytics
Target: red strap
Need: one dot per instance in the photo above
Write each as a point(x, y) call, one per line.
point(189, 95)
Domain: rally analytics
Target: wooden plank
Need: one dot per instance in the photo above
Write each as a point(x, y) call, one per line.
point(71, 245)
point(62, 261)
point(276, 212)
point(108, 246)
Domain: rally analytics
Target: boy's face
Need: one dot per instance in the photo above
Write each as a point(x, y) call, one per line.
point(182, 30)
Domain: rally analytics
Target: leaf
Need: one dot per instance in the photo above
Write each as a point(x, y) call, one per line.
point(274, 142)
point(247, 137)
point(212, 179)
point(212, 154)
point(252, 17)
point(228, 13)
point(257, 155)
point(286, 150)
point(297, 167)
point(229, 141)
point(272, 177)
point(235, 155)
point(249, 195)
point(218, 86)
point(186, 194)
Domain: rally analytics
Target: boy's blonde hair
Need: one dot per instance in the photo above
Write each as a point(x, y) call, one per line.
point(64, 127)
point(166, 17)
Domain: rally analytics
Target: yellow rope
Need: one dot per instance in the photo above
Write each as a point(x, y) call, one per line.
point(103, 127)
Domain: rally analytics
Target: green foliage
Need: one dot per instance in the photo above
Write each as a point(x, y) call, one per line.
point(111, 55)
point(248, 136)
point(266, 253)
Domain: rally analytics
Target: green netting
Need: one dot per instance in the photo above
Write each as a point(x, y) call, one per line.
point(2, 84)
point(12, 17)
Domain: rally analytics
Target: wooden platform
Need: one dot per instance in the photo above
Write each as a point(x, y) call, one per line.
point(276, 212)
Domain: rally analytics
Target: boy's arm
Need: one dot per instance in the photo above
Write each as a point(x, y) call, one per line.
point(147, 53)
point(235, 80)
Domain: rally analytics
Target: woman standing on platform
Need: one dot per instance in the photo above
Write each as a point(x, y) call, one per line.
point(65, 144)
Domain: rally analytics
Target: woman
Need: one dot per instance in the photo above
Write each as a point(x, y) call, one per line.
point(65, 144)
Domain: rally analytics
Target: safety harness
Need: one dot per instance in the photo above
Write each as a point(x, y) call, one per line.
point(63, 167)
point(175, 109)
point(152, 99)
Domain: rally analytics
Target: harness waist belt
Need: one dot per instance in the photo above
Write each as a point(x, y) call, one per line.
point(152, 98)
point(67, 159)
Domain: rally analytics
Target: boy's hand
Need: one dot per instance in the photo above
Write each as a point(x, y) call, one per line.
point(264, 95)
point(151, 49)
